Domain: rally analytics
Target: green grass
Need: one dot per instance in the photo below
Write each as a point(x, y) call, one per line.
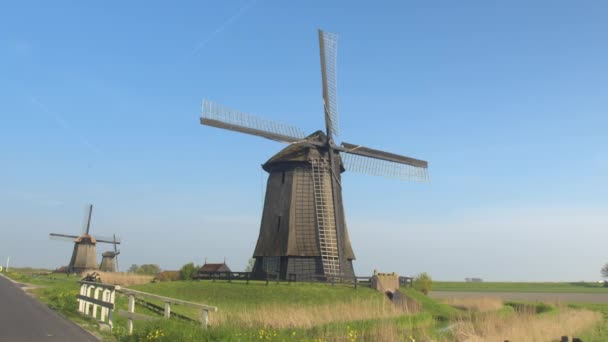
point(238, 294)
point(438, 310)
point(579, 287)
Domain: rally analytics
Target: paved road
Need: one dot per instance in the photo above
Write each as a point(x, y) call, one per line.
point(600, 298)
point(24, 319)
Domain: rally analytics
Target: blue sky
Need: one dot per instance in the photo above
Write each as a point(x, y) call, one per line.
point(507, 101)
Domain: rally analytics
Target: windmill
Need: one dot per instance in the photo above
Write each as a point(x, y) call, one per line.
point(303, 230)
point(84, 255)
point(109, 259)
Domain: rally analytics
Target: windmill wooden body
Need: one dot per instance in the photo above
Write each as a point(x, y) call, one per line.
point(303, 232)
point(109, 259)
point(84, 254)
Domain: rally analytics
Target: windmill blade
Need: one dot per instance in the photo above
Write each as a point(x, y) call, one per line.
point(328, 46)
point(106, 239)
point(379, 163)
point(217, 115)
point(86, 225)
point(63, 237)
point(116, 251)
point(116, 260)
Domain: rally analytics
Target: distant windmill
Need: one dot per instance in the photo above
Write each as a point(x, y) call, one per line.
point(84, 255)
point(109, 259)
point(303, 229)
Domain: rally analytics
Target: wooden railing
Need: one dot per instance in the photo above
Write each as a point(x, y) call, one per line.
point(89, 303)
point(131, 315)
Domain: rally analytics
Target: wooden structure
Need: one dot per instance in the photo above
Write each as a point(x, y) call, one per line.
point(303, 229)
point(89, 302)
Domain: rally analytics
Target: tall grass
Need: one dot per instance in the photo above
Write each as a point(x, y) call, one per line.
point(281, 316)
point(524, 325)
point(123, 278)
point(481, 304)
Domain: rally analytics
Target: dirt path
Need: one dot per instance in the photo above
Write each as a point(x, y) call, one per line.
point(599, 298)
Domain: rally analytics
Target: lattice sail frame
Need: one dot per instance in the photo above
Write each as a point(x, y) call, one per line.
point(384, 168)
point(329, 59)
point(215, 111)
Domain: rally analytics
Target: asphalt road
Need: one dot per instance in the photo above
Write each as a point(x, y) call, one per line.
point(24, 319)
point(601, 298)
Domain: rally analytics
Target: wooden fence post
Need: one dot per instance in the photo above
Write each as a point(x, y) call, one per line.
point(167, 310)
point(131, 308)
point(81, 303)
point(96, 296)
point(112, 297)
point(205, 318)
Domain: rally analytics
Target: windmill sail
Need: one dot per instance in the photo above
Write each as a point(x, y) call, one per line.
point(379, 163)
point(217, 115)
point(328, 46)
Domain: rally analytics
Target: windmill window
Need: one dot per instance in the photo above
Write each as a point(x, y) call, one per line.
point(278, 222)
point(283, 178)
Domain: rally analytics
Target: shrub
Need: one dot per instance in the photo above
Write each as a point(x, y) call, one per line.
point(423, 283)
point(188, 271)
point(168, 276)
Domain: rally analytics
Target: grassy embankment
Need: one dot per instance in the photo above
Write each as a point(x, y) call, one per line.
point(318, 312)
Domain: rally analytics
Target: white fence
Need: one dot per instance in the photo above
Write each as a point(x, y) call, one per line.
point(89, 303)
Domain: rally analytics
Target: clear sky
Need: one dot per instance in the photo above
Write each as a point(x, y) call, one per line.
point(99, 103)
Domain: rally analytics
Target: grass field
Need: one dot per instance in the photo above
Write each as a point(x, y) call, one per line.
point(321, 312)
point(520, 287)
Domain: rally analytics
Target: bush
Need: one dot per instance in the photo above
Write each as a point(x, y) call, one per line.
point(423, 283)
point(146, 269)
point(188, 271)
point(168, 276)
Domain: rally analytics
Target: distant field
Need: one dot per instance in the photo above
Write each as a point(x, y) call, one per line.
point(519, 287)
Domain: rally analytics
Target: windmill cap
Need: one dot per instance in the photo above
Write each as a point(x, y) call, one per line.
point(86, 238)
point(299, 152)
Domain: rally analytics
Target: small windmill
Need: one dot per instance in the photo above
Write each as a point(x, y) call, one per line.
point(303, 229)
point(84, 255)
point(109, 259)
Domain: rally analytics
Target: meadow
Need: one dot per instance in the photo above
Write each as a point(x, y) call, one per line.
point(544, 287)
point(321, 312)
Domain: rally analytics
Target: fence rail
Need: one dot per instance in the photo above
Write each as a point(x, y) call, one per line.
point(269, 277)
point(89, 303)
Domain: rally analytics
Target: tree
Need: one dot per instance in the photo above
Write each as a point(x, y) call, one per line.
point(148, 269)
point(133, 269)
point(604, 271)
point(188, 271)
point(423, 283)
point(250, 264)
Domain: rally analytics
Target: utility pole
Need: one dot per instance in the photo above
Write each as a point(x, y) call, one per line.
point(7, 260)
